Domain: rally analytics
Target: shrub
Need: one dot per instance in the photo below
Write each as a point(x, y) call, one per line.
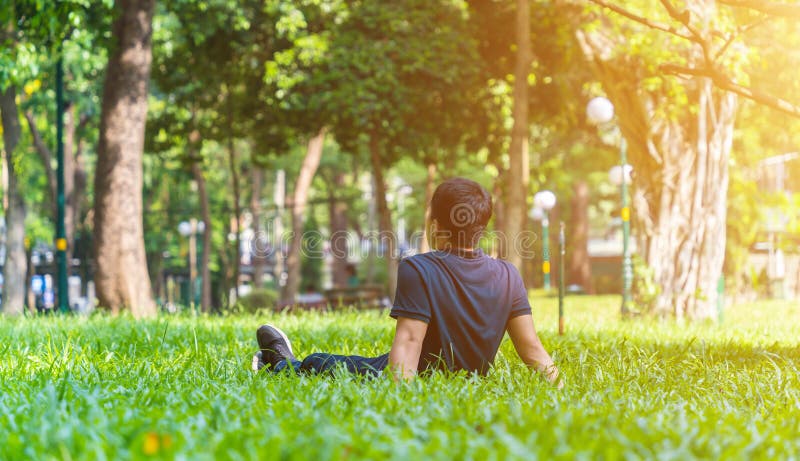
point(260, 298)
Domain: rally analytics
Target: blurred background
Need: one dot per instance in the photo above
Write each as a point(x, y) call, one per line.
point(220, 154)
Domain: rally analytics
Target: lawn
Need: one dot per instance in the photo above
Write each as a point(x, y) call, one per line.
point(180, 388)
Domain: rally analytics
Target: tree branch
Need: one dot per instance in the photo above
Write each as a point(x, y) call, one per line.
point(685, 18)
point(720, 79)
point(642, 20)
point(724, 82)
point(733, 36)
point(44, 154)
point(772, 8)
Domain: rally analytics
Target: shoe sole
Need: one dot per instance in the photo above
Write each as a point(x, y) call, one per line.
point(283, 335)
point(255, 361)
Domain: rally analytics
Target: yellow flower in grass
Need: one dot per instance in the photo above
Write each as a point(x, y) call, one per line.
point(154, 443)
point(151, 443)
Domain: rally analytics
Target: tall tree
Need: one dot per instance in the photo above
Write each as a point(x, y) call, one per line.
point(205, 215)
point(681, 152)
point(15, 265)
point(298, 206)
point(337, 173)
point(680, 155)
point(519, 164)
point(122, 278)
point(74, 169)
point(400, 87)
point(337, 210)
point(259, 258)
point(580, 268)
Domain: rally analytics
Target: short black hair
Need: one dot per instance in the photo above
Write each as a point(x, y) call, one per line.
point(462, 209)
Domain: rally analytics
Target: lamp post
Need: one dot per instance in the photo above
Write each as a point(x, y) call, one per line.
point(600, 111)
point(544, 201)
point(61, 233)
point(190, 229)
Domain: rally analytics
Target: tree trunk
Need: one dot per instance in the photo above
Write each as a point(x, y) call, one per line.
point(46, 157)
point(121, 278)
point(69, 180)
point(430, 187)
point(516, 205)
point(387, 236)
point(15, 265)
point(237, 210)
point(300, 199)
point(79, 185)
point(257, 249)
point(205, 213)
point(686, 245)
point(338, 217)
point(279, 198)
point(500, 244)
point(74, 173)
point(30, 297)
point(681, 166)
point(580, 267)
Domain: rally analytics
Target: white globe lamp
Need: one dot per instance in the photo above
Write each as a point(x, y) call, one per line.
point(544, 200)
point(599, 111)
point(616, 173)
point(536, 213)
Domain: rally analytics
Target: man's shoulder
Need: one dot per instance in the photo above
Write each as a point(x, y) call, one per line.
point(417, 263)
point(421, 259)
point(512, 269)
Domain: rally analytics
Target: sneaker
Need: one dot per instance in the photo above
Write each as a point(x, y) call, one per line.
point(275, 346)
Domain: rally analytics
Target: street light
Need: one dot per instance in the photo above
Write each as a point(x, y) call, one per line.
point(543, 202)
point(190, 229)
point(615, 174)
point(600, 111)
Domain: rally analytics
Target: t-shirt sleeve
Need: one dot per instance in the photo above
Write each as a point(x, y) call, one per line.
point(410, 299)
point(520, 305)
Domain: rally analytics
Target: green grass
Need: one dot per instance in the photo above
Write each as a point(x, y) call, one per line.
point(180, 388)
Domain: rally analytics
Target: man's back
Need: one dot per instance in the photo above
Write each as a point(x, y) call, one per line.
point(466, 298)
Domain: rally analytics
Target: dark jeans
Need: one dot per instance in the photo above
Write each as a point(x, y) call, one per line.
point(321, 362)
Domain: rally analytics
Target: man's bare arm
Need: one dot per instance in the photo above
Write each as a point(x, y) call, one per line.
point(530, 349)
point(406, 347)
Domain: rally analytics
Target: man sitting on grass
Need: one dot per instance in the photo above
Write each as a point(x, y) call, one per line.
point(452, 304)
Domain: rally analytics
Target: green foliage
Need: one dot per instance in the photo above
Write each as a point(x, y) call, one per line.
point(393, 69)
point(744, 214)
point(311, 256)
point(180, 388)
point(258, 299)
point(645, 290)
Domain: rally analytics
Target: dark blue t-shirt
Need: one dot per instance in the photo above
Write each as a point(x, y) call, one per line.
point(466, 298)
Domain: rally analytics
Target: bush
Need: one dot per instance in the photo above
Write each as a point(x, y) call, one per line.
point(645, 290)
point(260, 298)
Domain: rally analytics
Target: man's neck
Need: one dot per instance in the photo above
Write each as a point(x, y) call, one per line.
point(454, 249)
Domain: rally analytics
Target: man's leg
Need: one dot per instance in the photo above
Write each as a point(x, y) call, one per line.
point(322, 362)
point(276, 352)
